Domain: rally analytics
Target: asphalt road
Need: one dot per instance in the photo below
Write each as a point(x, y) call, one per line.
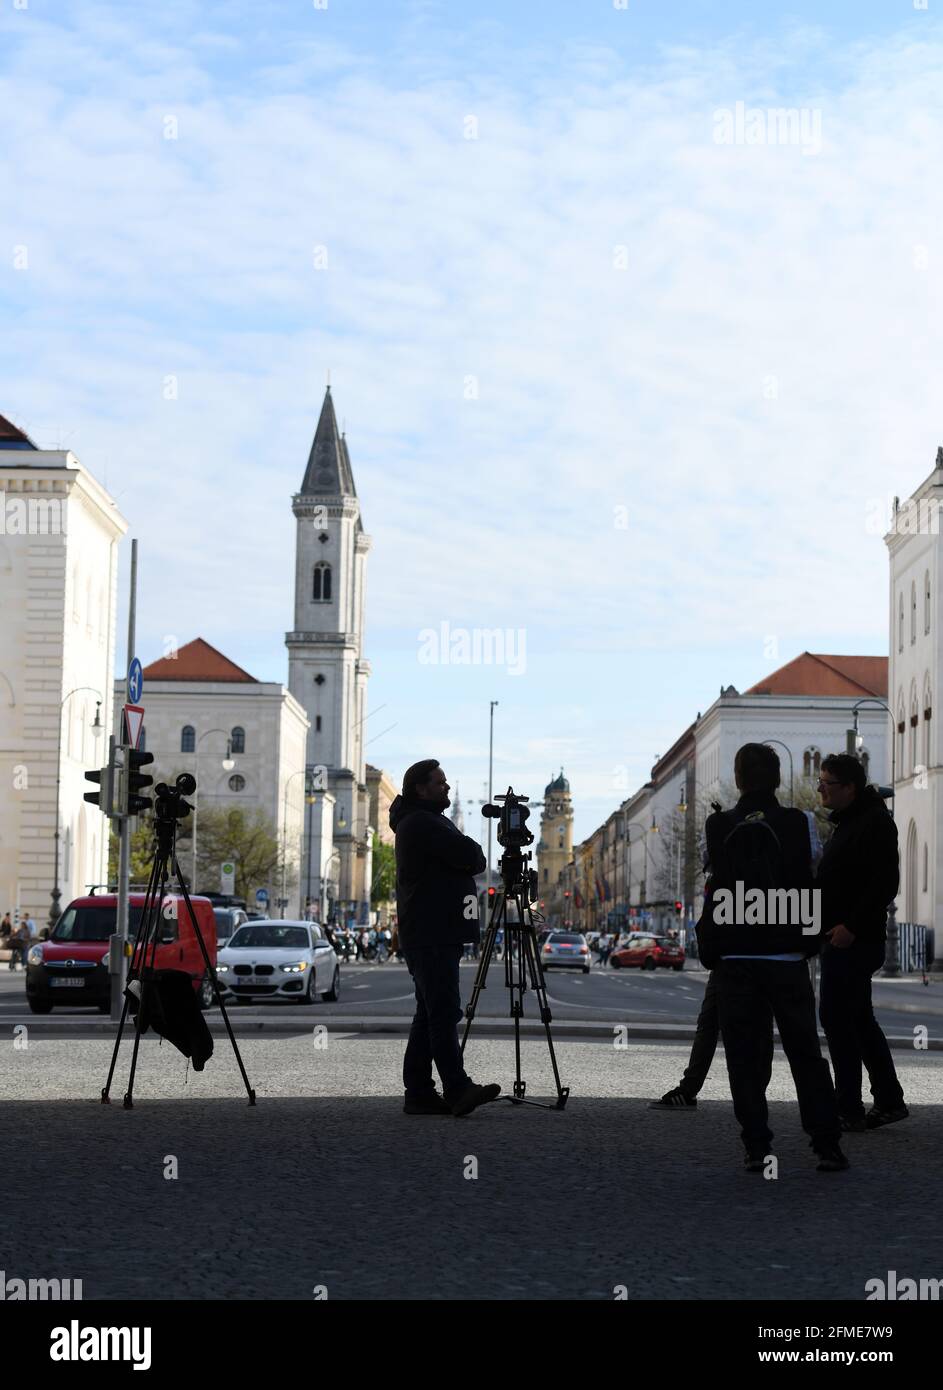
point(660, 997)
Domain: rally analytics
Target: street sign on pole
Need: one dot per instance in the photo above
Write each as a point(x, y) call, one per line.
point(133, 724)
point(135, 680)
point(261, 896)
point(227, 877)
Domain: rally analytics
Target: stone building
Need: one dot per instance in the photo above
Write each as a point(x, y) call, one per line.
point(59, 537)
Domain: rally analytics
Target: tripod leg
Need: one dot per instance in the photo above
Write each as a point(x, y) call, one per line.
point(150, 926)
point(481, 973)
point(530, 945)
point(212, 974)
point(106, 1089)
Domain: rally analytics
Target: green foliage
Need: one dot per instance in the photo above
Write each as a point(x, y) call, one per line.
point(383, 886)
point(248, 838)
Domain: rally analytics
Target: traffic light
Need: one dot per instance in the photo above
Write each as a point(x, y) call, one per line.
point(136, 781)
point(104, 777)
point(679, 908)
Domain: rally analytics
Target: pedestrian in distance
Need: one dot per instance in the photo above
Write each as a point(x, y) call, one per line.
point(858, 876)
point(437, 912)
point(19, 944)
point(756, 933)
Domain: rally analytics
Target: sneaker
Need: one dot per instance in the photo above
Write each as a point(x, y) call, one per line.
point(674, 1100)
point(426, 1105)
point(877, 1117)
point(831, 1160)
point(754, 1160)
point(473, 1096)
point(856, 1124)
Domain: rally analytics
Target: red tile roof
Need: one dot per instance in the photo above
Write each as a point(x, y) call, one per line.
point(197, 661)
point(815, 674)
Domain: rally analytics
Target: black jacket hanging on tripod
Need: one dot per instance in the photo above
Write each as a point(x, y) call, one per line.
point(435, 885)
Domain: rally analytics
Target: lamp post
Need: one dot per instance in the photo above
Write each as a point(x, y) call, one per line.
point(301, 773)
point(96, 730)
point(228, 765)
point(792, 780)
point(855, 743)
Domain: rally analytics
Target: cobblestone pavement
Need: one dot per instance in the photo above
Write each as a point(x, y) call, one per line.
point(327, 1182)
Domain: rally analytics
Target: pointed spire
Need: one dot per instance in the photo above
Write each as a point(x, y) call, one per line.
point(328, 472)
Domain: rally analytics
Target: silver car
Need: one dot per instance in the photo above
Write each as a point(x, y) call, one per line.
point(566, 949)
point(279, 960)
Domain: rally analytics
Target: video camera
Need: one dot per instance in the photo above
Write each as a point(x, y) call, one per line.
point(512, 830)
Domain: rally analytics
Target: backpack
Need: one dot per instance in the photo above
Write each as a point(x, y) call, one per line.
point(753, 854)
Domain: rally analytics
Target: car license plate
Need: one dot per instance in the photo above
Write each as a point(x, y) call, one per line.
point(73, 980)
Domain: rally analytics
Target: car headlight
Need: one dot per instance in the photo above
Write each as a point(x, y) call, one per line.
point(222, 969)
point(35, 955)
point(295, 969)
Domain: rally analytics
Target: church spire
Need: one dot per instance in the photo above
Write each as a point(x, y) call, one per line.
point(328, 473)
point(458, 818)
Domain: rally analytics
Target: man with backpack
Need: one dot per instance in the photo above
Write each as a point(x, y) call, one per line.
point(757, 929)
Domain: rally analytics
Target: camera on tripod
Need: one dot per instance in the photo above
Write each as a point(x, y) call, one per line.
point(170, 805)
point(512, 830)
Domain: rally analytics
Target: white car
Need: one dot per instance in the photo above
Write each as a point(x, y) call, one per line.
point(279, 960)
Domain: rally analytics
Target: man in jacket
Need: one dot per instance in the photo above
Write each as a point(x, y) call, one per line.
point(758, 953)
point(859, 876)
point(437, 912)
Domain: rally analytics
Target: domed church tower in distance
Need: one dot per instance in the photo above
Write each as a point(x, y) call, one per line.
point(555, 847)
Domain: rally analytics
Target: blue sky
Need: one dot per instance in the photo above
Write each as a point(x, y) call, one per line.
point(605, 379)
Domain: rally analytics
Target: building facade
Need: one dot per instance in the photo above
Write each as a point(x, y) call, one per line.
point(327, 670)
point(915, 558)
point(59, 538)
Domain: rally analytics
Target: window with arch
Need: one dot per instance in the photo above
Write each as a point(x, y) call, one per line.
point(913, 612)
point(914, 721)
point(900, 624)
point(901, 770)
point(926, 601)
point(812, 762)
point(188, 739)
point(926, 866)
point(927, 711)
point(238, 739)
point(321, 592)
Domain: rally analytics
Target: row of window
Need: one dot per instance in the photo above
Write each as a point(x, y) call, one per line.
point(237, 739)
point(913, 612)
point(910, 745)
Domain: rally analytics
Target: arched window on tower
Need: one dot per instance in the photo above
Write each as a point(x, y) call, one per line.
point(321, 592)
point(238, 737)
point(913, 612)
point(812, 762)
point(926, 602)
point(187, 739)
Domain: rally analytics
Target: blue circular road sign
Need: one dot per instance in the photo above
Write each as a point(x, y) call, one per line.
point(261, 895)
point(135, 681)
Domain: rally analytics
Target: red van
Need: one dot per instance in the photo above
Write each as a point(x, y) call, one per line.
point(71, 967)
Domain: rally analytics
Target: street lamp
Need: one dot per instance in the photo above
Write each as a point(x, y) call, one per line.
point(228, 764)
point(855, 743)
point(96, 731)
point(792, 783)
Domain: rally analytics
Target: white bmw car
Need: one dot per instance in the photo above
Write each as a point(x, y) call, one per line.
point(279, 960)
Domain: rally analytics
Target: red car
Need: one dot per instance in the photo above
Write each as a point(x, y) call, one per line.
point(72, 966)
point(649, 952)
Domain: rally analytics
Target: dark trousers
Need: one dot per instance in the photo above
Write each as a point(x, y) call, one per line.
point(854, 1034)
point(750, 994)
point(705, 1041)
point(433, 1036)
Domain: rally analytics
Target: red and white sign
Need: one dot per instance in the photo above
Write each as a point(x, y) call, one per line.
point(133, 724)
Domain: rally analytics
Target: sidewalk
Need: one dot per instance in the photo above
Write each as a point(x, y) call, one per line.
point(563, 1204)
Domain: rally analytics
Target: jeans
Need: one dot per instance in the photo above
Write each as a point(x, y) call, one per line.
point(750, 994)
point(854, 1034)
point(433, 1036)
point(705, 1041)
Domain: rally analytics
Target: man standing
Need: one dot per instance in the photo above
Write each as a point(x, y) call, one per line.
point(751, 934)
point(437, 912)
point(859, 876)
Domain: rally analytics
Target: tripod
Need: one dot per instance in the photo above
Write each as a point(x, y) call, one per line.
point(521, 962)
point(169, 809)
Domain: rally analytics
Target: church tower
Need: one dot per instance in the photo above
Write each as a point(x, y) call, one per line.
point(555, 847)
point(327, 673)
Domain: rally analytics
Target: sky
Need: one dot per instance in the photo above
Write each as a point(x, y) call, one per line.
point(630, 369)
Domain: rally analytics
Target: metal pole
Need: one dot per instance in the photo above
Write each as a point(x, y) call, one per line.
point(120, 974)
point(490, 782)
